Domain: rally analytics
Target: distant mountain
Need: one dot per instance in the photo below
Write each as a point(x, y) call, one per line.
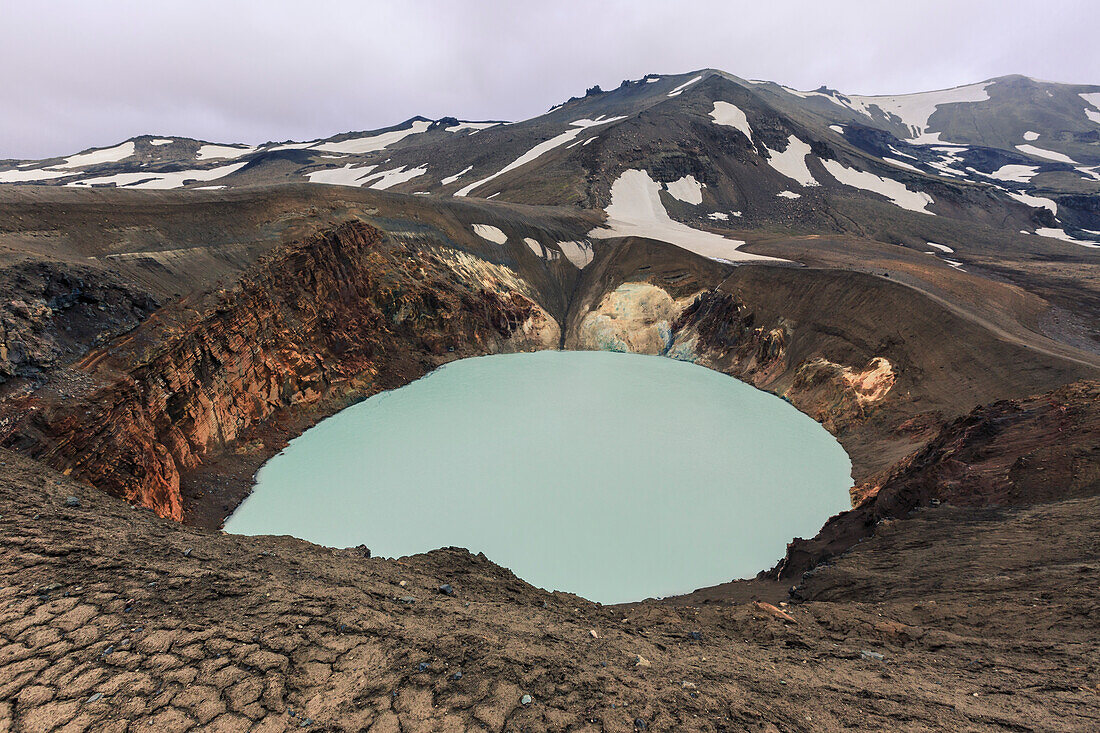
point(705, 149)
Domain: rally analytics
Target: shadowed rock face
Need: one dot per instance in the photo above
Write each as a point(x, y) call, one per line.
point(1035, 450)
point(318, 321)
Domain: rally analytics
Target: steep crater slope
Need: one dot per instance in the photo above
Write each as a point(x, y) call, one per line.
point(179, 411)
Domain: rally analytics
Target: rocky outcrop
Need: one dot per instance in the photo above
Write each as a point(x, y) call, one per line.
point(53, 312)
point(1010, 453)
point(326, 319)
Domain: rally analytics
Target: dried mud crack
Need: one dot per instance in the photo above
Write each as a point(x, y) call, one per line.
point(955, 619)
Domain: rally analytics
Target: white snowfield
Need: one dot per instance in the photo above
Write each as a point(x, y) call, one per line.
point(490, 233)
point(838, 129)
point(1062, 235)
point(579, 253)
point(686, 189)
point(941, 247)
point(346, 176)
point(576, 128)
point(902, 164)
point(216, 152)
point(1092, 98)
point(451, 179)
point(636, 211)
point(676, 92)
point(357, 177)
point(914, 110)
point(1031, 136)
point(891, 189)
point(789, 195)
point(540, 250)
point(731, 115)
point(161, 141)
point(160, 181)
point(372, 143)
point(1036, 201)
point(475, 127)
point(390, 178)
point(1048, 154)
point(96, 157)
point(792, 162)
point(1015, 173)
point(294, 146)
point(25, 176)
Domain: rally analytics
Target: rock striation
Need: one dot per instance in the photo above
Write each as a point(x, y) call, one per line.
point(326, 319)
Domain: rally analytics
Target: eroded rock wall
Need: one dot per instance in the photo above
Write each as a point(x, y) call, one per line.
point(720, 331)
point(317, 320)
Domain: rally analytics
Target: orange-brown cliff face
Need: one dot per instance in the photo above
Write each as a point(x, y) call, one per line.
point(318, 320)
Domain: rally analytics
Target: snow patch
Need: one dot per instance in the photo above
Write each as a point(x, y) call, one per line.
point(789, 195)
point(161, 142)
point(96, 157)
point(636, 211)
point(346, 176)
point(902, 164)
point(1092, 98)
point(215, 152)
point(1036, 201)
point(579, 253)
point(731, 115)
point(1015, 173)
point(685, 85)
point(475, 126)
point(718, 216)
point(891, 189)
point(160, 181)
point(838, 129)
point(371, 143)
point(1062, 235)
point(451, 179)
point(687, 189)
point(390, 178)
point(490, 233)
point(792, 162)
point(914, 110)
point(1048, 154)
point(24, 176)
point(941, 247)
point(1030, 136)
point(296, 146)
point(576, 128)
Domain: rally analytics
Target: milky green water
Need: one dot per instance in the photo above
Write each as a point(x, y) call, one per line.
point(614, 476)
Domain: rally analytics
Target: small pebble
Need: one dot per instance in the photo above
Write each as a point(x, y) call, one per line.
point(95, 697)
point(72, 501)
point(526, 700)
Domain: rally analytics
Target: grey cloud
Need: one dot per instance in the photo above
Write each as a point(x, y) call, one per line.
point(79, 74)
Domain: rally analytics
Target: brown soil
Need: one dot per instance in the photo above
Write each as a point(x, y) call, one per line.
point(984, 619)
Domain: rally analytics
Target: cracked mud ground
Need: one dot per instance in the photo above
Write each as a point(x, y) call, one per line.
point(112, 619)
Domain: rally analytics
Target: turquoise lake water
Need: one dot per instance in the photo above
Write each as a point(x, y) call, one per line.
point(614, 476)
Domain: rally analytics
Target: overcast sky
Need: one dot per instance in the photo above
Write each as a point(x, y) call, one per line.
point(76, 74)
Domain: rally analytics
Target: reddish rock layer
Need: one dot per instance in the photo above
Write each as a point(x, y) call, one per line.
point(320, 319)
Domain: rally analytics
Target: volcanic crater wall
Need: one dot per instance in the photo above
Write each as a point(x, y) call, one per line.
point(327, 319)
